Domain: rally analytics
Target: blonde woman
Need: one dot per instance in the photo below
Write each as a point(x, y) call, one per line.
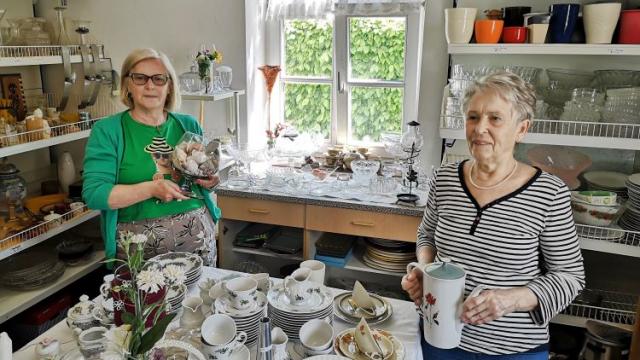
point(127, 171)
point(509, 225)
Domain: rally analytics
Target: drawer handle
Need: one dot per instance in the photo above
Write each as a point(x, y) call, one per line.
point(362, 223)
point(258, 211)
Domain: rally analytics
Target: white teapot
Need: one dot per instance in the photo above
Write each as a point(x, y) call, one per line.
point(443, 296)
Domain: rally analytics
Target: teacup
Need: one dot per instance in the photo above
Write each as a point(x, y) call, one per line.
point(298, 286)
point(264, 281)
point(93, 341)
point(316, 335)
point(219, 337)
point(317, 270)
point(242, 291)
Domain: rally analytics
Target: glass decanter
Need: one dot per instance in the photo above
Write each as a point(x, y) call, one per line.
point(62, 37)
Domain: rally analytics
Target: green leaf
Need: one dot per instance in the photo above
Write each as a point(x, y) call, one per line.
point(154, 334)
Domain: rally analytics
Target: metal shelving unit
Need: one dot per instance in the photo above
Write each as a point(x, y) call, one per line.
point(611, 307)
point(38, 55)
point(544, 49)
point(14, 302)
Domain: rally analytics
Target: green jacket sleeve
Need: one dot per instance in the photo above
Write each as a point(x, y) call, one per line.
point(100, 167)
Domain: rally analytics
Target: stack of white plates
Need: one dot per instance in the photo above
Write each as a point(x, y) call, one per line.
point(389, 255)
point(345, 344)
point(346, 312)
point(607, 181)
point(247, 320)
point(290, 317)
point(192, 264)
point(630, 220)
point(21, 272)
point(174, 297)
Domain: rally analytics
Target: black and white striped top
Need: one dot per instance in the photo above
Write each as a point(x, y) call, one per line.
point(527, 238)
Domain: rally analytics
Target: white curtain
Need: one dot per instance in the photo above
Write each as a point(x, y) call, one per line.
point(300, 9)
point(377, 7)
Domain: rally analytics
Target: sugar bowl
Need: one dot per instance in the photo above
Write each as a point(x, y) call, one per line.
point(80, 316)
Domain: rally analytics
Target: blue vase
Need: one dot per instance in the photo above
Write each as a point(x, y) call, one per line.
point(563, 22)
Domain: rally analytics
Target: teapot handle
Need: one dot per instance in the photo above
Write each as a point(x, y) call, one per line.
point(415, 265)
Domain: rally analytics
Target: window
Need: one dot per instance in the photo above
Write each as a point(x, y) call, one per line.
point(351, 78)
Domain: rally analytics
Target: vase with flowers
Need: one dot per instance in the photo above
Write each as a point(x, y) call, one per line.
point(272, 135)
point(205, 58)
point(139, 290)
point(270, 73)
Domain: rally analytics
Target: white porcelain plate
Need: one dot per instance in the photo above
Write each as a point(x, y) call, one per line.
point(223, 306)
point(318, 300)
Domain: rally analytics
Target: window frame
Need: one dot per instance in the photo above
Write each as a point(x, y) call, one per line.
point(340, 100)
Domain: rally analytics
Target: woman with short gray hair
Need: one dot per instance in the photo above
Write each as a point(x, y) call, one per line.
point(509, 225)
point(127, 166)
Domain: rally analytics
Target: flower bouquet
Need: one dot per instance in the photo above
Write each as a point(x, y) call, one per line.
point(139, 291)
point(205, 58)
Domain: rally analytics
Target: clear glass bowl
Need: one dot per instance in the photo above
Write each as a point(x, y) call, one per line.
point(364, 170)
point(570, 79)
point(612, 79)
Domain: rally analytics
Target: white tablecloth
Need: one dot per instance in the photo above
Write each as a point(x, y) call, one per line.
point(403, 324)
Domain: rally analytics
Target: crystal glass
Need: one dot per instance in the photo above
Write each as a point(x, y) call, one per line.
point(14, 37)
point(190, 81)
point(226, 76)
point(32, 32)
point(364, 170)
point(62, 37)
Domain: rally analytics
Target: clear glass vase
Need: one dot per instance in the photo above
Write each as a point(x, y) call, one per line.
point(190, 81)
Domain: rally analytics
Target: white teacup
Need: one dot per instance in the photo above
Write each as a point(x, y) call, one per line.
point(317, 270)
point(459, 24)
point(298, 286)
point(316, 335)
point(219, 337)
point(242, 291)
point(264, 281)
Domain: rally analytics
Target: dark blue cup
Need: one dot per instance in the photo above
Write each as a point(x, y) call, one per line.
point(563, 22)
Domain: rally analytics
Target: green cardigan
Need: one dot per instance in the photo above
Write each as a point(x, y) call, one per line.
point(102, 159)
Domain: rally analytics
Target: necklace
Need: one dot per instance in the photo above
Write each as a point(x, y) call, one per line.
point(492, 186)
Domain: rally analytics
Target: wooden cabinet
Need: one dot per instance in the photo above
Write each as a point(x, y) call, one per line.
point(262, 211)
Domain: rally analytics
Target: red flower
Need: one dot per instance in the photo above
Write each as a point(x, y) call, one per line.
point(430, 299)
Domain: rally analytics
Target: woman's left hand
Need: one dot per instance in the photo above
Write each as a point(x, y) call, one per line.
point(488, 306)
point(209, 183)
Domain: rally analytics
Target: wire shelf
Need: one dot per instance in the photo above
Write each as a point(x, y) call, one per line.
point(613, 307)
point(37, 135)
point(40, 229)
point(561, 127)
point(37, 51)
point(618, 236)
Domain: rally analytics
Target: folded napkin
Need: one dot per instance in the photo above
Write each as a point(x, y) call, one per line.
point(6, 349)
point(361, 297)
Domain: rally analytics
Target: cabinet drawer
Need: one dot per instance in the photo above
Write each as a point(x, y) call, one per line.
point(363, 223)
point(262, 211)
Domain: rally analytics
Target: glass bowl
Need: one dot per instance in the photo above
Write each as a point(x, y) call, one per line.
point(612, 79)
point(364, 170)
point(570, 79)
point(561, 161)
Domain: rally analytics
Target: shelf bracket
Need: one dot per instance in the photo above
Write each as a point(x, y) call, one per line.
point(69, 77)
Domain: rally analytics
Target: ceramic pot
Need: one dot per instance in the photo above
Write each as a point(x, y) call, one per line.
point(629, 27)
point(514, 35)
point(600, 22)
point(66, 171)
point(488, 31)
point(458, 25)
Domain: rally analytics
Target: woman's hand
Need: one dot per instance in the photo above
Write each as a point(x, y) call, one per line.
point(492, 304)
point(166, 190)
point(412, 284)
point(209, 183)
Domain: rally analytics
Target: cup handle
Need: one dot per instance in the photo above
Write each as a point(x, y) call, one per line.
point(241, 337)
point(414, 265)
point(104, 290)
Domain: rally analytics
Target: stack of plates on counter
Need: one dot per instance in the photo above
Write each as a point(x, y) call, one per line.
point(21, 272)
point(345, 345)
point(345, 311)
point(247, 320)
point(389, 255)
point(630, 220)
point(174, 297)
point(192, 264)
point(290, 317)
point(607, 181)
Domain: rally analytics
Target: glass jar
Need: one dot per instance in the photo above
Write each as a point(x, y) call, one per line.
point(13, 188)
point(190, 81)
point(33, 33)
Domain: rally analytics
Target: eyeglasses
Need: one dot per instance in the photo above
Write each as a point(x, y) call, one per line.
point(159, 156)
point(141, 79)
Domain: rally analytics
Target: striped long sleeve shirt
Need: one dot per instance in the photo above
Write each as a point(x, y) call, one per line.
point(527, 238)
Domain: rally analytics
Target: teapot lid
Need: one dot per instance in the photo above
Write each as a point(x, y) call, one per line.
point(445, 270)
point(7, 169)
point(83, 309)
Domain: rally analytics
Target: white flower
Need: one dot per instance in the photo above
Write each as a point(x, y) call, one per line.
point(200, 57)
point(119, 336)
point(139, 239)
point(174, 274)
point(150, 281)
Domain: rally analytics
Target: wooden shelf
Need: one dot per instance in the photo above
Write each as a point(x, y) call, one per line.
point(14, 302)
point(544, 49)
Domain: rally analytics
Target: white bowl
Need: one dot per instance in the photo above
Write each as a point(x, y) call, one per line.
point(595, 215)
point(316, 335)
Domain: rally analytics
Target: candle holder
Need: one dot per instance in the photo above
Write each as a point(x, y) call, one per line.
point(411, 142)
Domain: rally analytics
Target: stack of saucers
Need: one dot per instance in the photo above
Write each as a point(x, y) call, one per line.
point(191, 263)
point(21, 272)
point(247, 320)
point(630, 220)
point(346, 311)
point(174, 297)
point(291, 316)
point(389, 255)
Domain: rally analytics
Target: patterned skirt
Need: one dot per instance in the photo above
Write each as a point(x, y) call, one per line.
point(192, 232)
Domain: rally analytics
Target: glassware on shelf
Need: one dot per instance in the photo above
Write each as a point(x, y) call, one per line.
point(226, 76)
point(82, 28)
point(62, 37)
point(190, 81)
point(14, 38)
point(33, 33)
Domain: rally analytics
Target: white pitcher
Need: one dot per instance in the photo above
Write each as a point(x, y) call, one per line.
point(443, 295)
point(298, 286)
point(192, 317)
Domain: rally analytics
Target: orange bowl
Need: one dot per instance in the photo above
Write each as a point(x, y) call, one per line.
point(488, 31)
point(560, 161)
